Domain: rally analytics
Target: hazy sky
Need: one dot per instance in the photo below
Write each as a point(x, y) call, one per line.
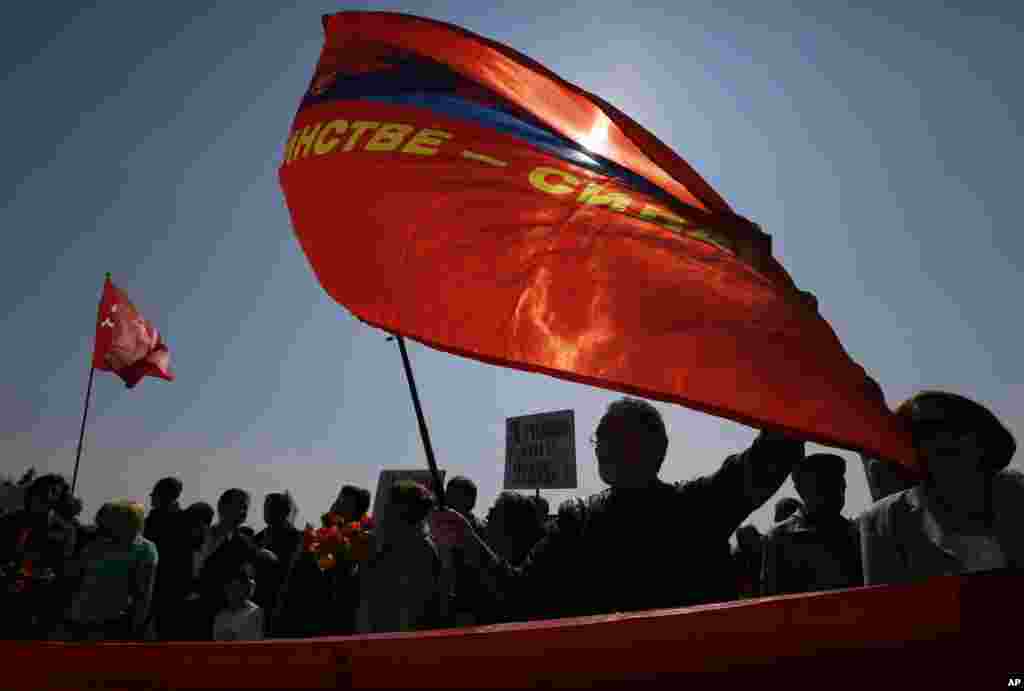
point(880, 147)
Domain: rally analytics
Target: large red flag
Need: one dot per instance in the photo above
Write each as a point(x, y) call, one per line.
point(449, 189)
point(127, 344)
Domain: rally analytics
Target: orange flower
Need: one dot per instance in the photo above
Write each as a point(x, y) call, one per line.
point(329, 536)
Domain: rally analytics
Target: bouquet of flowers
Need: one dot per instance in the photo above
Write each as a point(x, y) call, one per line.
point(21, 575)
point(338, 540)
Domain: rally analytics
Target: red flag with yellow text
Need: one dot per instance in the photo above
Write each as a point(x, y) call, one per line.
point(449, 189)
point(127, 344)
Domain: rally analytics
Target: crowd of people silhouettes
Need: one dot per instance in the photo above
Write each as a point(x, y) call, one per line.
point(199, 573)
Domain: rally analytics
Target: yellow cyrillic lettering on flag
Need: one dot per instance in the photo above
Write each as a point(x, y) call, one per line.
point(425, 142)
point(324, 145)
point(539, 179)
point(358, 127)
point(388, 137)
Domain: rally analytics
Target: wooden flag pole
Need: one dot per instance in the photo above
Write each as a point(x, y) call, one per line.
point(424, 433)
point(85, 413)
point(81, 433)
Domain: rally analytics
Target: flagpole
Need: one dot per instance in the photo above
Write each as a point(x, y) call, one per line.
point(81, 433)
point(424, 433)
point(88, 397)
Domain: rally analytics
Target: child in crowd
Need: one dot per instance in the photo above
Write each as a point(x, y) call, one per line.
point(241, 619)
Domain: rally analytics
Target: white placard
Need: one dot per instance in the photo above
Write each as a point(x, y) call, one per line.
point(540, 451)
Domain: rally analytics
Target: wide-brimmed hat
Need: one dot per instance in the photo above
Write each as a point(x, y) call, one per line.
point(997, 441)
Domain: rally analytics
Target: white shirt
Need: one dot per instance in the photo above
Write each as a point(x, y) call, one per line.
point(974, 552)
point(977, 552)
point(245, 624)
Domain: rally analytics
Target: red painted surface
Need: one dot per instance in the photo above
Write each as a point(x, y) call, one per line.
point(942, 631)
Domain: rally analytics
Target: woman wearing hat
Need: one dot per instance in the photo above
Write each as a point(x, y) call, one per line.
point(966, 514)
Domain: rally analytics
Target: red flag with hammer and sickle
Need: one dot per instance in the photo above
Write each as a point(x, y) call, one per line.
point(127, 344)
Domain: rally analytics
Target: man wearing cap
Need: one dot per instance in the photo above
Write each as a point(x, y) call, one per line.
point(642, 543)
point(966, 515)
point(816, 548)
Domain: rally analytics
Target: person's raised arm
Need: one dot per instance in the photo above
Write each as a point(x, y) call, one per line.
point(767, 464)
point(747, 480)
point(546, 565)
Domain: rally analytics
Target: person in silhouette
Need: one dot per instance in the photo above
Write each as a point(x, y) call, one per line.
point(966, 515)
point(642, 543)
point(816, 548)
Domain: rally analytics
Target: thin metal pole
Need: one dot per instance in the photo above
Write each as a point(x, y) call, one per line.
point(81, 433)
point(424, 433)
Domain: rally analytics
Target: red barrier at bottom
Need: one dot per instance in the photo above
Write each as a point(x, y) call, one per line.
point(944, 631)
